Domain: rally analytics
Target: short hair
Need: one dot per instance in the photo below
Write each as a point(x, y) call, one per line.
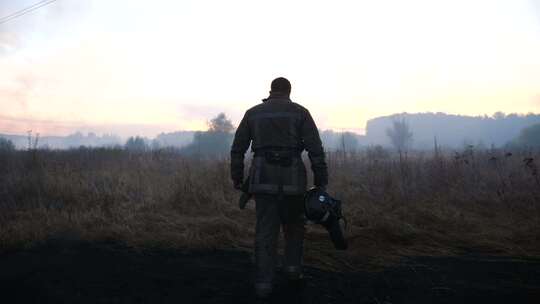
point(281, 85)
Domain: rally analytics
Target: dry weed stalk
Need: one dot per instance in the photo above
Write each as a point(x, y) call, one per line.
point(422, 204)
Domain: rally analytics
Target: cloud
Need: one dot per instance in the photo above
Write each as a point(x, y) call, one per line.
point(196, 115)
point(25, 84)
point(198, 111)
point(536, 8)
point(11, 31)
point(536, 101)
point(72, 9)
point(49, 18)
point(16, 87)
point(9, 42)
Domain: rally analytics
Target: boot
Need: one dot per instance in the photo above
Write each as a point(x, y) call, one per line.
point(295, 276)
point(293, 273)
point(263, 290)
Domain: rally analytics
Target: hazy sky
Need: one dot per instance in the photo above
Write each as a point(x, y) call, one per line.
point(149, 66)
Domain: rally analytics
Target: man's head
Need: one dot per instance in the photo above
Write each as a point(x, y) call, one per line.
point(280, 86)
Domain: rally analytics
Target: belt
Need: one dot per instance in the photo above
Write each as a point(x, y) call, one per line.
point(282, 153)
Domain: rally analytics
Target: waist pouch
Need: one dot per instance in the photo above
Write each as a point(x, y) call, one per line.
point(277, 173)
point(280, 158)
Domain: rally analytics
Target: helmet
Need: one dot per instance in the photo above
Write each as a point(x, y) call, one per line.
point(323, 209)
point(320, 207)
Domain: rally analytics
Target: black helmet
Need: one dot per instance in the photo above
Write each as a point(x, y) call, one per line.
point(320, 207)
point(323, 209)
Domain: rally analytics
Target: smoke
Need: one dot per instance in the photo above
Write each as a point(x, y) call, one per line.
point(22, 75)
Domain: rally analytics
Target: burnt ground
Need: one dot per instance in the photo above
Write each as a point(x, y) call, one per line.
point(105, 272)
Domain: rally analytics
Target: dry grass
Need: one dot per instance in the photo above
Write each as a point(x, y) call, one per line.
point(484, 202)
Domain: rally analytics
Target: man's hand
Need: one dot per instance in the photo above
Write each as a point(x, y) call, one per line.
point(321, 188)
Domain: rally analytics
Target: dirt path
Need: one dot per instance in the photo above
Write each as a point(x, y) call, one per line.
point(82, 272)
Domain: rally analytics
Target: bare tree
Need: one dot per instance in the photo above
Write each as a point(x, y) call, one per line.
point(400, 135)
point(529, 136)
point(136, 144)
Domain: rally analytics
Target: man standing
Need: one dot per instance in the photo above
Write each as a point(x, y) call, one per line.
point(278, 131)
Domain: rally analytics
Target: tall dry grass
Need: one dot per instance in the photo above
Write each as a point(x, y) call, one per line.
point(423, 203)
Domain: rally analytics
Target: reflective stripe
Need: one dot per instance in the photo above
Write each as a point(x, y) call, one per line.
point(264, 177)
point(293, 269)
point(263, 285)
point(294, 272)
point(287, 189)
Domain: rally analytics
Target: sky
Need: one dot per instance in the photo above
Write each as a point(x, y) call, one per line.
point(145, 67)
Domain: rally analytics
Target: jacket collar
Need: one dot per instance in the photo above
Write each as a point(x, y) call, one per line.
point(277, 97)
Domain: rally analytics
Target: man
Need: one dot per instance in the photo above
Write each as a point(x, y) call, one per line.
point(278, 131)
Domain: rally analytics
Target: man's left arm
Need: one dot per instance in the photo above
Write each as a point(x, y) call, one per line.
point(314, 147)
point(242, 139)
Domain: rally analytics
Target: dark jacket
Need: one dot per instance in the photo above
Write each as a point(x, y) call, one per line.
point(283, 129)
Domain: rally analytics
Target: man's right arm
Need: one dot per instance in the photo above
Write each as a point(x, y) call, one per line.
point(242, 139)
point(313, 145)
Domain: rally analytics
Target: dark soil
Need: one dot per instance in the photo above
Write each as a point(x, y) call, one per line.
point(102, 272)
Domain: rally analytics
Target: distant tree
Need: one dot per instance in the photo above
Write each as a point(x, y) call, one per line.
point(452, 129)
point(156, 145)
point(220, 123)
point(348, 141)
point(176, 139)
point(530, 136)
point(400, 135)
point(215, 141)
point(499, 115)
point(136, 144)
point(109, 140)
point(344, 141)
point(376, 152)
point(6, 145)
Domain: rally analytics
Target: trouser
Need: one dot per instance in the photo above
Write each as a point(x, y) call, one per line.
point(273, 212)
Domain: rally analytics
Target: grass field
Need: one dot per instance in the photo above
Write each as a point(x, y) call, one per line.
point(418, 204)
